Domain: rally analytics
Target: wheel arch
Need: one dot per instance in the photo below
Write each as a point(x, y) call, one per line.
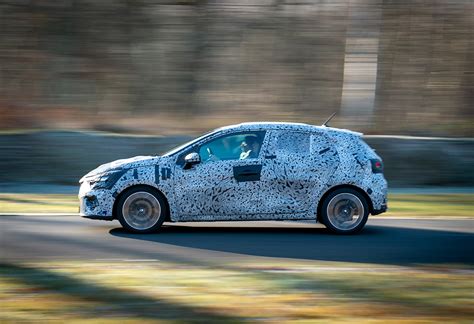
point(332, 189)
point(154, 189)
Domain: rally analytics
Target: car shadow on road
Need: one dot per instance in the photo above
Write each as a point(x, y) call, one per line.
point(375, 244)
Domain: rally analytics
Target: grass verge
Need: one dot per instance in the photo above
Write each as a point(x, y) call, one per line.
point(269, 291)
point(399, 204)
point(38, 203)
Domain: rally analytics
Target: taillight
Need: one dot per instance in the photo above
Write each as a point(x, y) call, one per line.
point(377, 166)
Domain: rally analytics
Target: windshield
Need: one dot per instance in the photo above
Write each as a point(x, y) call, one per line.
point(181, 147)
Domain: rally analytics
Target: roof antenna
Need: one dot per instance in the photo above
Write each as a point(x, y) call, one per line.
point(325, 124)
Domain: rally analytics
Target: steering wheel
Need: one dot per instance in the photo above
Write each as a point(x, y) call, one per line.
point(211, 157)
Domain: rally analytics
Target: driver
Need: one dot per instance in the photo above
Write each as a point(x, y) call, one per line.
point(250, 148)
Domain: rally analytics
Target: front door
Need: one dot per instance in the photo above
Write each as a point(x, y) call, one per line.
point(225, 184)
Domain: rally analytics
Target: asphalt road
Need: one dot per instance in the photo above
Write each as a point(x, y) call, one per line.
point(383, 241)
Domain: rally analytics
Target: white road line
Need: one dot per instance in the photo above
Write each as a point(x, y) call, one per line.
point(127, 260)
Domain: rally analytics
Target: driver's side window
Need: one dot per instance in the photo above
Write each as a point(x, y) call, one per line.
point(232, 147)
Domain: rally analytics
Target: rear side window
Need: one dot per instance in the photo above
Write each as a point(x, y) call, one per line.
point(293, 143)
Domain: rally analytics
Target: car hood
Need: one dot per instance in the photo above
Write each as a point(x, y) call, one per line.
point(123, 164)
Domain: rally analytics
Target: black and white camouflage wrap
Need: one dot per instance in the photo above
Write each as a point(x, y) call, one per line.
point(299, 164)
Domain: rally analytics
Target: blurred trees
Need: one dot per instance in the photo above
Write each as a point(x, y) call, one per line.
point(426, 67)
point(183, 66)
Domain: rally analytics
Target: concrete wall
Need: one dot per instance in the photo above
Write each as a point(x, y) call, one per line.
point(62, 157)
point(415, 161)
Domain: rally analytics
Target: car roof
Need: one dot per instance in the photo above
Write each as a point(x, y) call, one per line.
point(286, 126)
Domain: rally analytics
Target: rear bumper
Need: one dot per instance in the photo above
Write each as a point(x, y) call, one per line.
point(377, 190)
point(383, 209)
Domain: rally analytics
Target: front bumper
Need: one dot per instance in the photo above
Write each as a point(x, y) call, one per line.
point(95, 204)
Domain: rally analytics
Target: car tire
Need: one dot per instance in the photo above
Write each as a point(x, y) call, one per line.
point(339, 209)
point(141, 210)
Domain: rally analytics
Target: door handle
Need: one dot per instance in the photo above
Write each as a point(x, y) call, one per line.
point(248, 173)
point(270, 157)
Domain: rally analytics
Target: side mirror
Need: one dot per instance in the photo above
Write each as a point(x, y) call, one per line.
point(191, 159)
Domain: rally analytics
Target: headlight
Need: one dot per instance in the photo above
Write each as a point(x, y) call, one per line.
point(106, 180)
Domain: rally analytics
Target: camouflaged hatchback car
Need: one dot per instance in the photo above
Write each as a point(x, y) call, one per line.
point(250, 171)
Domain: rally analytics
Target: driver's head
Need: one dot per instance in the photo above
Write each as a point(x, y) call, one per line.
point(250, 143)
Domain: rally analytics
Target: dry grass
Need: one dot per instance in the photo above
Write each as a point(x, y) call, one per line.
point(431, 205)
point(38, 203)
point(266, 291)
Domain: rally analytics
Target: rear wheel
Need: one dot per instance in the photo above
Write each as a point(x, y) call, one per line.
point(344, 211)
point(141, 210)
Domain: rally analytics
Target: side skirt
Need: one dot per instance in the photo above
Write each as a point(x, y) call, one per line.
point(251, 217)
point(107, 218)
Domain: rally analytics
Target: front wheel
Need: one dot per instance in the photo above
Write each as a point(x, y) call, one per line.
point(344, 211)
point(141, 210)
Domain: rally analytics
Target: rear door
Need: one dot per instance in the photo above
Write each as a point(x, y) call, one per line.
point(295, 169)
